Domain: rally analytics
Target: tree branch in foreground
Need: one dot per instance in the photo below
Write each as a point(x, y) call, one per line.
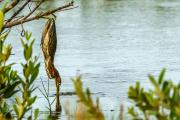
point(11, 6)
point(38, 16)
point(17, 12)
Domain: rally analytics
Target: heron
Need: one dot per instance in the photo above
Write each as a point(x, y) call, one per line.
point(48, 46)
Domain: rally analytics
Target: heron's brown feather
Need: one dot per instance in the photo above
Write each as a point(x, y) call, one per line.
point(48, 45)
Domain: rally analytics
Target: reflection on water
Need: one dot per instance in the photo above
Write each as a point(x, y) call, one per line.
point(113, 43)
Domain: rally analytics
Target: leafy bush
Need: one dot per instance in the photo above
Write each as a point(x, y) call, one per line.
point(161, 103)
point(30, 72)
point(9, 79)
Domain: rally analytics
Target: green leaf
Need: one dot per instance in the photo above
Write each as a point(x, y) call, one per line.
point(29, 118)
point(161, 76)
point(7, 51)
point(2, 57)
point(1, 20)
point(153, 81)
point(27, 71)
point(28, 35)
point(21, 110)
point(18, 101)
point(132, 112)
point(9, 91)
point(28, 53)
point(4, 35)
point(149, 98)
point(36, 113)
point(22, 42)
point(35, 73)
point(1, 46)
point(31, 100)
point(11, 94)
point(16, 109)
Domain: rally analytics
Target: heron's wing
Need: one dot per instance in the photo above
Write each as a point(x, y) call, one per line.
point(45, 30)
point(48, 45)
point(52, 40)
point(44, 40)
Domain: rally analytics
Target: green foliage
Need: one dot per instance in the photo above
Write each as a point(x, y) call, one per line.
point(162, 103)
point(92, 111)
point(1, 20)
point(9, 79)
point(30, 72)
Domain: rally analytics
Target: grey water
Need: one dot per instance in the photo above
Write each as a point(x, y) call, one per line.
point(112, 44)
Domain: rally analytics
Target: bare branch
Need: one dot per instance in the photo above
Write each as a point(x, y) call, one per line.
point(33, 10)
point(40, 15)
point(68, 8)
point(17, 12)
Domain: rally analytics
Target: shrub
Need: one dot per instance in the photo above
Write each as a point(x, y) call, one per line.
point(161, 103)
point(9, 78)
point(30, 72)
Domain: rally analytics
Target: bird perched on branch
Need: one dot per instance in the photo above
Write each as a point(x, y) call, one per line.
point(48, 46)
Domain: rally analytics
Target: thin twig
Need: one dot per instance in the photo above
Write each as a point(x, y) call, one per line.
point(33, 10)
point(17, 12)
point(53, 100)
point(46, 95)
point(16, 18)
point(68, 8)
point(44, 88)
point(11, 6)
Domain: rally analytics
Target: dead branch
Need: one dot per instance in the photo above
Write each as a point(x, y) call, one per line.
point(18, 11)
point(33, 10)
point(11, 6)
point(38, 16)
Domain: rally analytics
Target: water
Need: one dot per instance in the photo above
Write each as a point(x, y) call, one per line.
point(113, 44)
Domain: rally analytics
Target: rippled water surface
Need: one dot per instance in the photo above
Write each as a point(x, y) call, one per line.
point(113, 44)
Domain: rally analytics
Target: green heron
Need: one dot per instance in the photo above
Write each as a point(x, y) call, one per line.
point(48, 45)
